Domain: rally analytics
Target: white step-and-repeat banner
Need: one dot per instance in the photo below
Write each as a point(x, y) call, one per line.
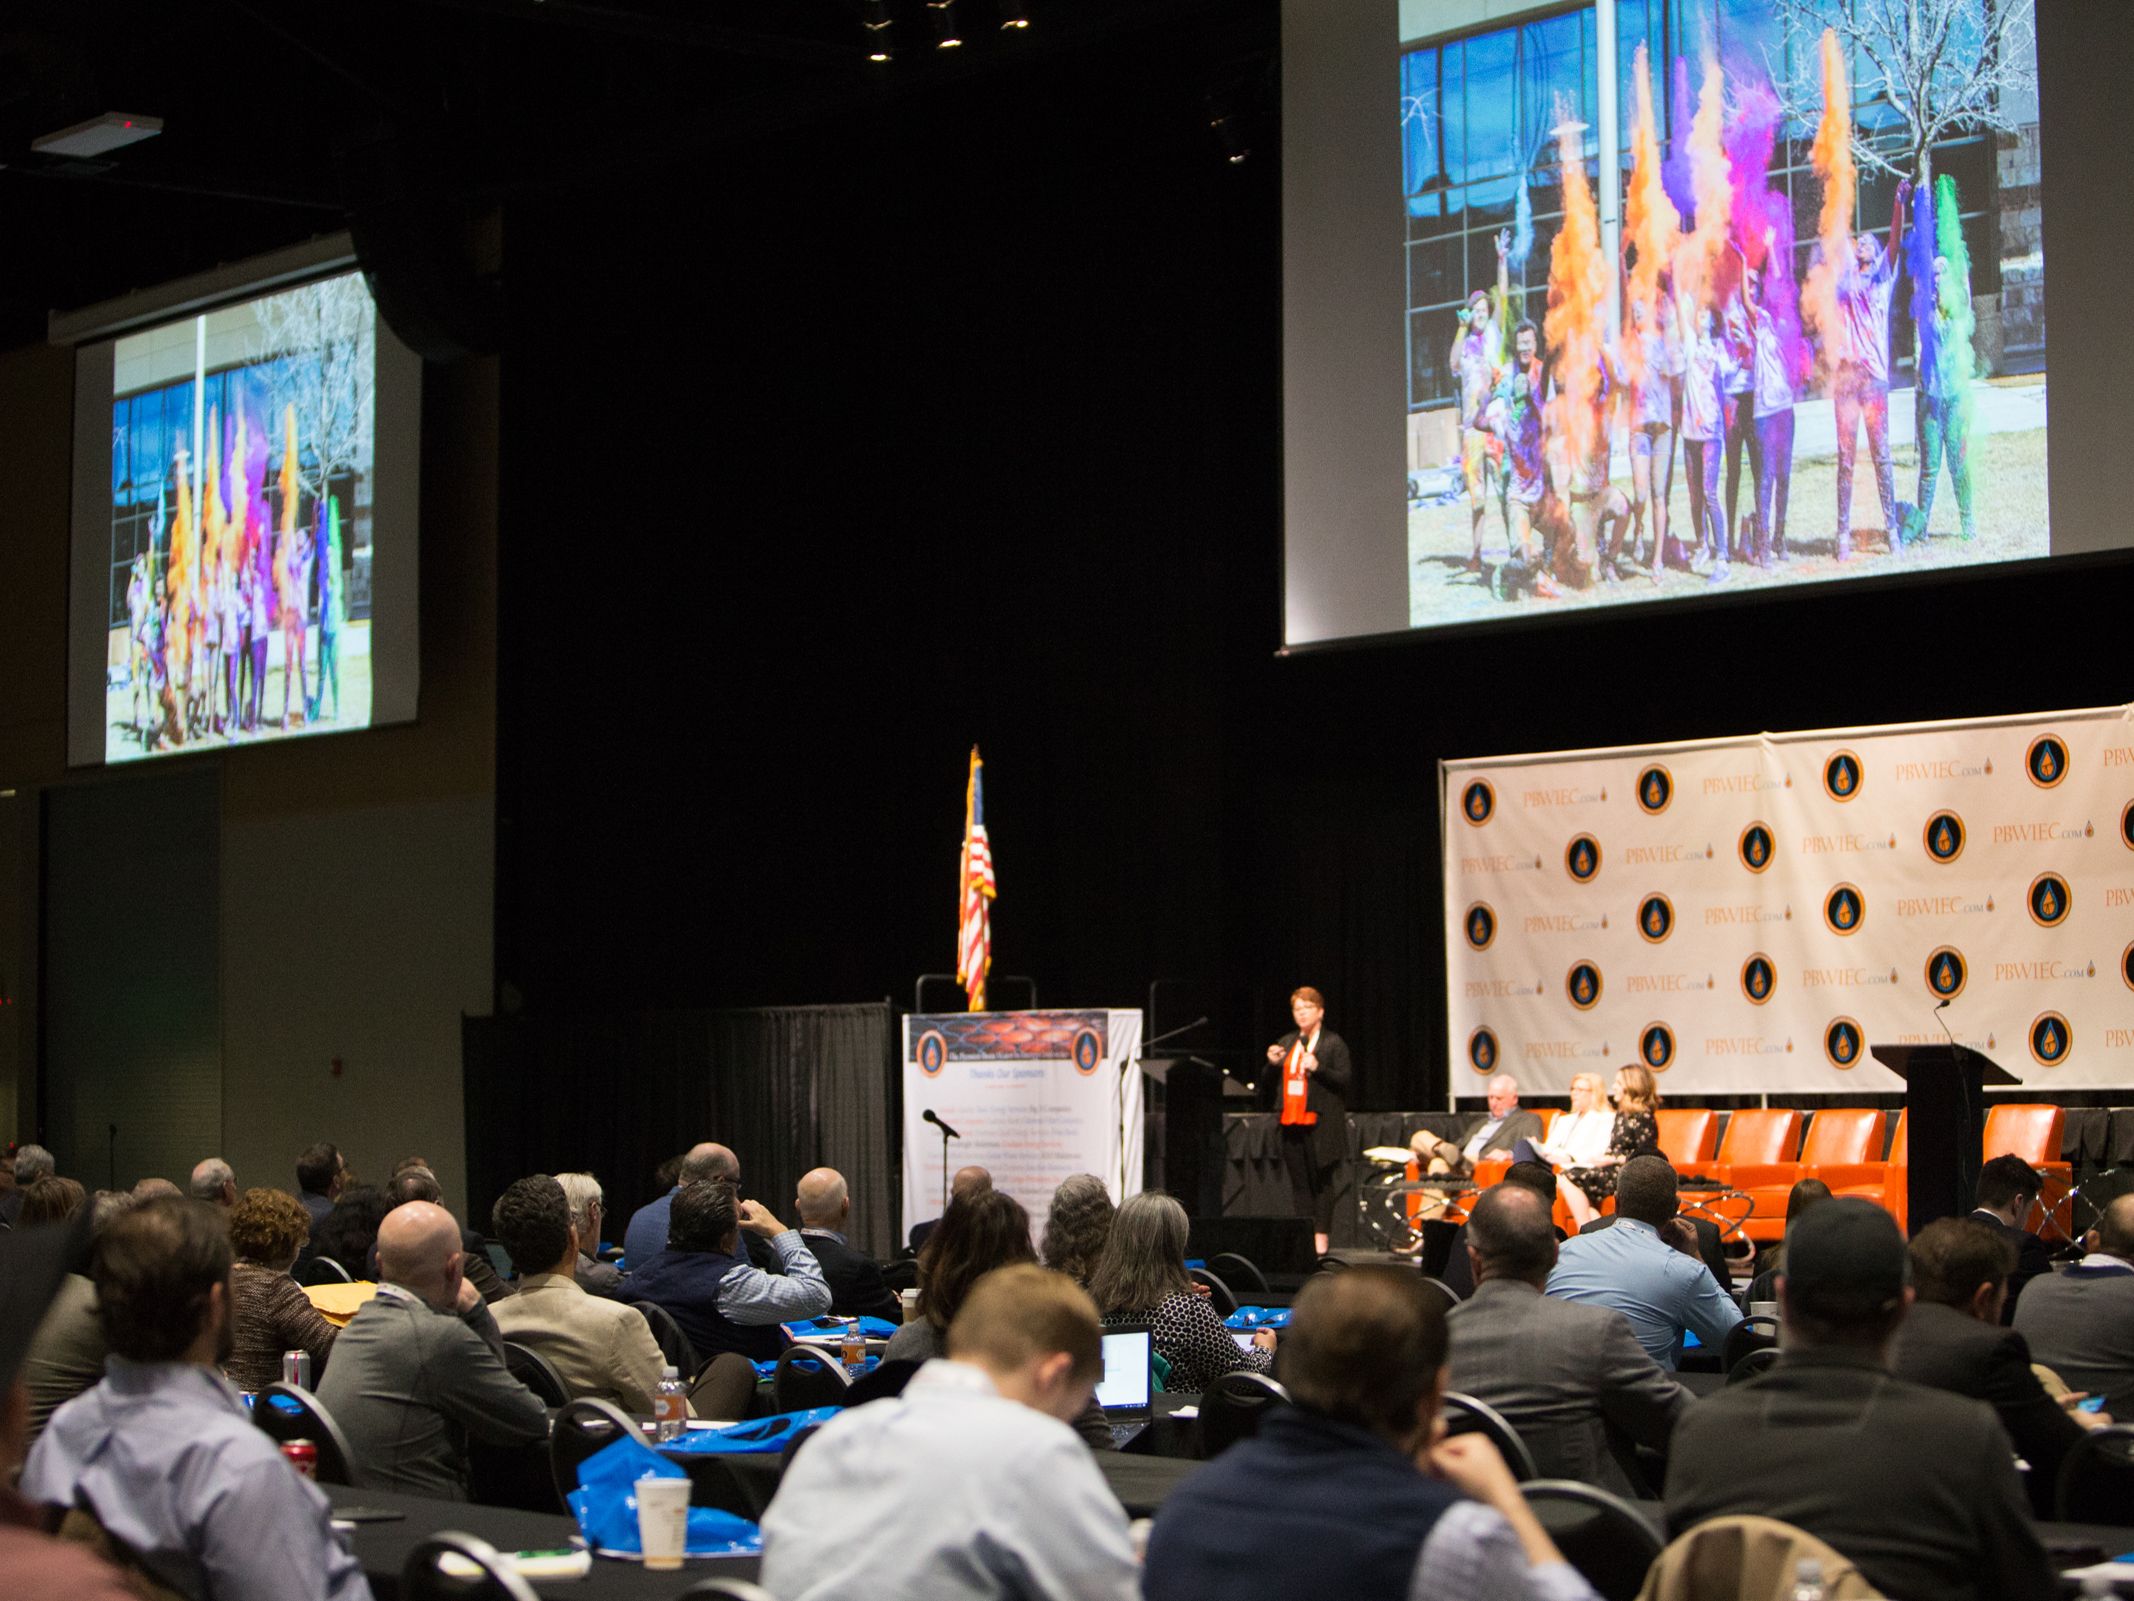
point(1033, 1096)
point(1753, 914)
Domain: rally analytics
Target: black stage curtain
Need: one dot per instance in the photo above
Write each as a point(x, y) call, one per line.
point(789, 1088)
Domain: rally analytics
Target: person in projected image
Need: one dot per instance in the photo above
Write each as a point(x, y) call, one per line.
point(210, 677)
point(326, 539)
point(1655, 415)
point(1514, 415)
point(137, 633)
point(232, 642)
point(259, 607)
point(1478, 359)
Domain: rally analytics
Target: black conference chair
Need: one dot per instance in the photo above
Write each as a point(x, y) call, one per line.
point(1603, 1536)
point(902, 1274)
point(1231, 1409)
point(1331, 1263)
point(322, 1270)
point(881, 1382)
point(1451, 1295)
point(581, 1428)
point(536, 1372)
point(668, 1336)
point(1750, 1334)
point(808, 1375)
point(1238, 1270)
point(1760, 1360)
point(423, 1576)
point(2096, 1482)
point(725, 1590)
point(286, 1413)
point(1465, 1415)
point(1219, 1294)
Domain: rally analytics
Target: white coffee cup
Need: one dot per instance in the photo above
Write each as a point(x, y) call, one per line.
point(910, 1300)
point(663, 1520)
point(1763, 1309)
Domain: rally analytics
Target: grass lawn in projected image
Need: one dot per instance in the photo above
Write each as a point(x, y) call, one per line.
point(2008, 502)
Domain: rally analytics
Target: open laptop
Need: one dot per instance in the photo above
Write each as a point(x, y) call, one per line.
point(1123, 1392)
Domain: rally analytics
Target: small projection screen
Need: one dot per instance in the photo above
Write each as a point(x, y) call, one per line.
point(244, 550)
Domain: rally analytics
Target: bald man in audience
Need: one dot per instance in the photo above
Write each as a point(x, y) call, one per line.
point(215, 1182)
point(172, 1464)
point(972, 1180)
point(1571, 1379)
point(824, 1205)
point(646, 1236)
point(970, 1485)
point(420, 1368)
point(2080, 1323)
point(157, 1189)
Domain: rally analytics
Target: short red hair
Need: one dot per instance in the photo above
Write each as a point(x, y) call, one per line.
point(1309, 996)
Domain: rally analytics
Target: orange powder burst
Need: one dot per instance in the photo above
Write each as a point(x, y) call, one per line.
point(1650, 219)
point(1832, 159)
point(1579, 276)
point(1711, 183)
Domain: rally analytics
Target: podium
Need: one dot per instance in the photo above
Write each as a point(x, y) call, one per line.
point(1945, 1109)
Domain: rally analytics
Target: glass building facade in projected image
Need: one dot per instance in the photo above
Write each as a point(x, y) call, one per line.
point(1481, 86)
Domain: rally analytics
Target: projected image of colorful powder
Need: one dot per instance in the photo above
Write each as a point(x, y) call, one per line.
point(239, 606)
point(1805, 342)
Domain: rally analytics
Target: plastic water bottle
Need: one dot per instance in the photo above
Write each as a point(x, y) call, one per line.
point(853, 1349)
point(1807, 1581)
point(670, 1407)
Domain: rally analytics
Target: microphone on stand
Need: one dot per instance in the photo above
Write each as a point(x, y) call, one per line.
point(946, 1132)
point(1939, 1007)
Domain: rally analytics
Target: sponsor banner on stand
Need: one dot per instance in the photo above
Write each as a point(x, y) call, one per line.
point(1756, 914)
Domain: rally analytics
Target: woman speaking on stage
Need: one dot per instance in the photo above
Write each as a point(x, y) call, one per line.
point(1310, 1093)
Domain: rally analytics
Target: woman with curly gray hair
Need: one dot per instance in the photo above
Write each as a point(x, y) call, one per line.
point(1077, 1226)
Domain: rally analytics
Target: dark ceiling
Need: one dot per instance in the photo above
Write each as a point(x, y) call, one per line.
point(280, 113)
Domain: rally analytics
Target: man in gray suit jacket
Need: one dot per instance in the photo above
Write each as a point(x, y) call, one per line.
point(1570, 1377)
point(1505, 1125)
point(2080, 1323)
point(421, 1366)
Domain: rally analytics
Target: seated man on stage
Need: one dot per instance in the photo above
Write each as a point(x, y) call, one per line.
point(1492, 1135)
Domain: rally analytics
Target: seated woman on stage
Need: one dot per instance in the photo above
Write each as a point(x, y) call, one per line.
point(1580, 1137)
point(1635, 1133)
point(1141, 1278)
point(977, 1233)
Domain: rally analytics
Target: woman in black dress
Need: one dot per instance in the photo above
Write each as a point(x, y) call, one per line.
point(1637, 1133)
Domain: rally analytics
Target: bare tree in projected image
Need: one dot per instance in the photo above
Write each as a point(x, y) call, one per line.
point(1945, 67)
point(326, 336)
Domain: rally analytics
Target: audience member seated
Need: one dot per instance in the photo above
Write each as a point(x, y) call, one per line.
point(32, 1162)
point(154, 1188)
point(1916, 1486)
point(966, 1182)
point(413, 1181)
point(1629, 1268)
point(856, 1289)
point(32, 1267)
point(1771, 1260)
point(982, 1230)
point(647, 1234)
point(1571, 1379)
point(2007, 1189)
point(1494, 1133)
point(588, 1213)
point(721, 1300)
point(172, 1465)
point(215, 1182)
point(1350, 1492)
point(1077, 1225)
point(67, 1354)
point(349, 1235)
point(969, 1484)
point(1141, 1278)
point(1635, 1132)
point(420, 1368)
point(599, 1348)
point(321, 1176)
point(1953, 1340)
point(51, 1199)
point(1459, 1271)
point(268, 1313)
point(2080, 1323)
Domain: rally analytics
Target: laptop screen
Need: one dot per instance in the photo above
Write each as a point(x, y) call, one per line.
point(1126, 1369)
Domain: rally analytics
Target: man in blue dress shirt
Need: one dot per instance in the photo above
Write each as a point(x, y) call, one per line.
point(1661, 1290)
point(163, 1452)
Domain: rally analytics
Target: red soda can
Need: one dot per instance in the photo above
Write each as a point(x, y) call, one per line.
point(303, 1456)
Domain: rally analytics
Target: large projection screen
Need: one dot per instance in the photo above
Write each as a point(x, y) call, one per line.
point(1750, 288)
point(244, 525)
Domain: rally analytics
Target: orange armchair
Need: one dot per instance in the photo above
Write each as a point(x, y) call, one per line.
point(1840, 1140)
point(1759, 1147)
point(2033, 1133)
point(1689, 1135)
point(1887, 1183)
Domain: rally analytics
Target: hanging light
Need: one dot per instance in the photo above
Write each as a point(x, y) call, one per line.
point(876, 22)
point(1014, 14)
point(947, 36)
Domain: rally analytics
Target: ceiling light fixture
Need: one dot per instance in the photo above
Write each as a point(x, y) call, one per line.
point(947, 36)
point(877, 24)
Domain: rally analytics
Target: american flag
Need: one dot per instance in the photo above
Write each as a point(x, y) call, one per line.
point(974, 925)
